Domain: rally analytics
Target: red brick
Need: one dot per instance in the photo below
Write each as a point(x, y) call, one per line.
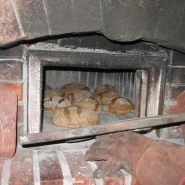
point(181, 102)
point(8, 112)
point(20, 114)
point(50, 169)
point(181, 108)
point(116, 179)
point(174, 91)
point(80, 169)
point(177, 75)
point(134, 181)
point(30, 12)
point(173, 132)
point(13, 87)
point(172, 109)
point(10, 69)
point(8, 23)
point(22, 168)
point(170, 132)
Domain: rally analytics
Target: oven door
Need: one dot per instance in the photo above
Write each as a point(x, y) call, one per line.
point(149, 81)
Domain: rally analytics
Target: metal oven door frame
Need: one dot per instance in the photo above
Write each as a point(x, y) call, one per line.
point(38, 57)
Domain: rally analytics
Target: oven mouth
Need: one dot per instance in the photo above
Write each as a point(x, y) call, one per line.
point(122, 79)
point(148, 77)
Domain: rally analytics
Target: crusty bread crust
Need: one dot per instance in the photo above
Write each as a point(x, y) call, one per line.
point(78, 95)
point(68, 88)
point(52, 104)
point(104, 88)
point(119, 105)
point(47, 88)
point(103, 97)
point(90, 102)
point(56, 92)
point(75, 116)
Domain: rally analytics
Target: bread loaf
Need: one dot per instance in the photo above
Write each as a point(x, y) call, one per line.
point(50, 92)
point(68, 88)
point(91, 103)
point(52, 104)
point(75, 116)
point(104, 88)
point(47, 90)
point(119, 105)
point(58, 92)
point(105, 96)
point(77, 95)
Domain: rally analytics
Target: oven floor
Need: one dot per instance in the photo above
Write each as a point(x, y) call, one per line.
point(105, 118)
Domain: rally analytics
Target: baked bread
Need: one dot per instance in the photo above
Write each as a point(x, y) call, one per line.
point(90, 102)
point(58, 92)
point(52, 104)
point(55, 92)
point(77, 95)
point(68, 88)
point(47, 90)
point(119, 105)
point(75, 116)
point(105, 96)
point(104, 88)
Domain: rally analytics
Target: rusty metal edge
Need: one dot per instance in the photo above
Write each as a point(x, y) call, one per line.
point(101, 129)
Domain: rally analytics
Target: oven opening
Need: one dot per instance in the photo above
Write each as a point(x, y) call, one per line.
point(137, 77)
point(123, 80)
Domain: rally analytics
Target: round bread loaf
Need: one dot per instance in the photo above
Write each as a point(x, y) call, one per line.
point(75, 116)
point(90, 102)
point(55, 92)
point(68, 88)
point(119, 105)
point(104, 88)
point(47, 90)
point(58, 92)
point(77, 95)
point(106, 96)
point(52, 104)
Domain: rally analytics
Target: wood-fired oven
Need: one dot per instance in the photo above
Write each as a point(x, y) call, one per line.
point(136, 46)
point(135, 75)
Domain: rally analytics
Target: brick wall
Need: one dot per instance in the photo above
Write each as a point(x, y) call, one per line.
point(11, 72)
point(175, 86)
point(11, 79)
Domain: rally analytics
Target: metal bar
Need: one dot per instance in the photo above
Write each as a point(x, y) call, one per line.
point(101, 129)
